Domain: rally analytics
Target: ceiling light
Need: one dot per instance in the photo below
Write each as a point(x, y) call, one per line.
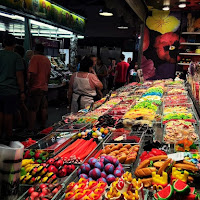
point(80, 37)
point(182, 5)
point(41, 24)
point(105, 13)
point(12, 16)
point(166, 8)
point(122, 27)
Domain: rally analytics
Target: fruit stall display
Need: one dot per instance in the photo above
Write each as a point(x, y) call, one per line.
point(105, 140)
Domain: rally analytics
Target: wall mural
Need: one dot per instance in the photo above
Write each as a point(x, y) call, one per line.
point(161, 45)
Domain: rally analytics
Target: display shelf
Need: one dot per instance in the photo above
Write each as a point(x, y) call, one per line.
point(189, 54)
point(190, 43)
point(190, 33)
point(184, 64)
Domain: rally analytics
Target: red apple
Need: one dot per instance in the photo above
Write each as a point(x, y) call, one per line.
point(50, 161)
point(43, 186)
point(44, 164)
point(30, 190)
point(34, 194)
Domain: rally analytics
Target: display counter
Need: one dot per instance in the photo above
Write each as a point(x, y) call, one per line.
point(141, 142)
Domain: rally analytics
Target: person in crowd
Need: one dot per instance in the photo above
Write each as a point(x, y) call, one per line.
point(121, 73)
point(129, 60)
point(102, 73)
point(83, 86)
point(38, 78)
point(94, 60)
point(11, 84)
point(132, 72)
point(28, 55)
point(78, 60)
point(111, 73)
point(22, 109)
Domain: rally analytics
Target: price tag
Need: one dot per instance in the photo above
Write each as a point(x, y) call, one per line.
point(176, 156)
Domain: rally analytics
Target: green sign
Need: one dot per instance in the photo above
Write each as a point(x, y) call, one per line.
point(48, 11)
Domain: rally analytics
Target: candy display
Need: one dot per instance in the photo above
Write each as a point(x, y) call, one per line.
point(85, 189)
point(126, 187)
point(185, 145)
point(106, 169)
point(178, 116)
point(126, 154)
point(78, 151)
point(28, 142)
point(148, 131)
point(98, 133)
point(38, 156)
point(178, 130)
point(179, 190)
point(43, 191)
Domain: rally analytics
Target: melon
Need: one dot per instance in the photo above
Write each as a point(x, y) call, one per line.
point(166, 193)
point(191, 197)
point(192, 190)
point(181, 187)
point(155, 196)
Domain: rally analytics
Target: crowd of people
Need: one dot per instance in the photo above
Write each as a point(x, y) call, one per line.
point(24, 81)
point(93, 79)
point(23, 86)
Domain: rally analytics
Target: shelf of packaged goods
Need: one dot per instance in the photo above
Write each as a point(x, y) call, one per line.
point(185, 64)
point(190, 43)
point(189, 54)
point(190, 33)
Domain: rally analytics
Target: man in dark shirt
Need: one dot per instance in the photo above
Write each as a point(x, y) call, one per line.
point(11, 84)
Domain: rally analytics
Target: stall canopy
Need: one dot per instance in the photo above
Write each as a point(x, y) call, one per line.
point(46, 11)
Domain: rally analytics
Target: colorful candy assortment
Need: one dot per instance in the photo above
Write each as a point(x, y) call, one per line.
point(85, 189)
point(105, 169)
point(178, 130)
point(126, 154)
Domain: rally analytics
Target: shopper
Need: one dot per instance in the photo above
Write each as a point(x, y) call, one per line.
point(78, 60)
point(22, 110)
point(102, 74)
point(111, 73)
point(83, 86)
point(38, 78)
point(94, 60)
point(11, 84)
point(121, 73)
point(28, 55)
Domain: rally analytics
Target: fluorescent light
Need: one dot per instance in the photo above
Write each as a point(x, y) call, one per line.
point(2, 29)
point(65, 36)
point(122, 27)
point(18, 34)
point(41, 24)
point(60, 30)
point(182, 5)
point(44, 35)
point(80, 37)
point(105, 13)
point(166, 8)
point(12, 16)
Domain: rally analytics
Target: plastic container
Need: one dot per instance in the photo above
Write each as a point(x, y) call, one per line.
point(73, 127)
point(10, 165)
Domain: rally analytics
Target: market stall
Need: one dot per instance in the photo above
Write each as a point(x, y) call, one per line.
point(141, 142)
